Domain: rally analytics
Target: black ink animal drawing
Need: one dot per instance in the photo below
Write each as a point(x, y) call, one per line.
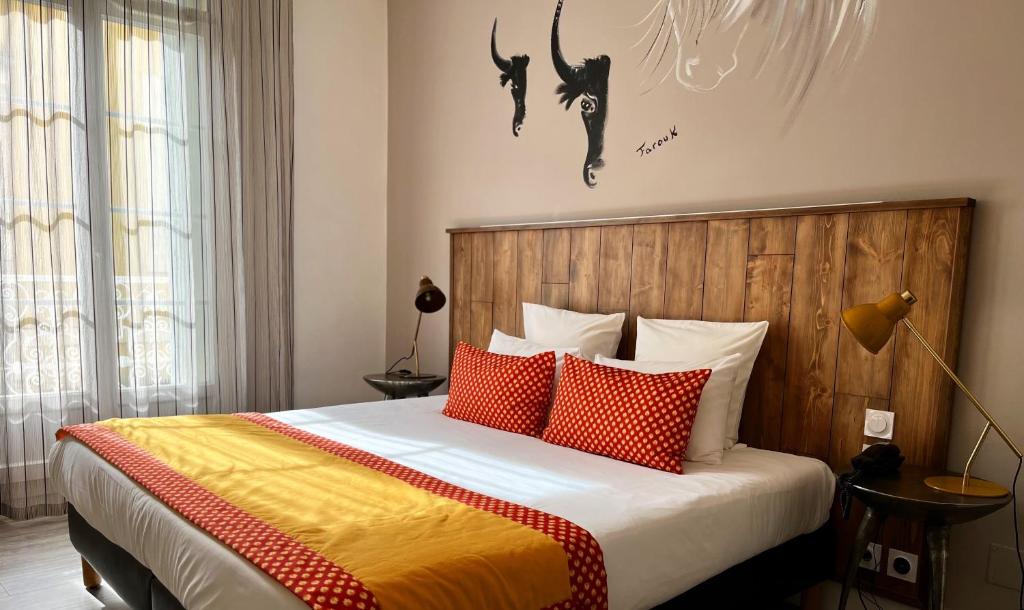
point(588, 81)
point(512, 70)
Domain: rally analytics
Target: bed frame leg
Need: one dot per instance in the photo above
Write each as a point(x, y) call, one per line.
point(90, 577)
point(811, 599)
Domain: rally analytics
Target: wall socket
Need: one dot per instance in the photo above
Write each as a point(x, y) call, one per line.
point(872, 558)
point(902, 565)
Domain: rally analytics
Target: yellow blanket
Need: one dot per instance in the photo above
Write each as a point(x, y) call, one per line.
point(343, 528)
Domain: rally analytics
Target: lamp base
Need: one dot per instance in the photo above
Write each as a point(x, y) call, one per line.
point(415, 376)
point(979, 488)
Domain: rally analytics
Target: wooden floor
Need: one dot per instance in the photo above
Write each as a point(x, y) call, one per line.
point(40, 570)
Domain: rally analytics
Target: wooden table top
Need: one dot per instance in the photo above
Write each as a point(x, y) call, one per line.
point(905, 494)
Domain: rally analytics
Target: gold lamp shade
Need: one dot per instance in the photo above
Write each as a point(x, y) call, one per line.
point(872, 323)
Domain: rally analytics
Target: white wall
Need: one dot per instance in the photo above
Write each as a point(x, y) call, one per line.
point(934, 108)
point(341, 88)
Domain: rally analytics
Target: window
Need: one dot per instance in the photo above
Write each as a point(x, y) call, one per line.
point(145, 219)
point(151, 112)
point(102, 234)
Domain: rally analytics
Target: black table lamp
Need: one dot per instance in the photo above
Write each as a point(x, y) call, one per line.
point(429, 299)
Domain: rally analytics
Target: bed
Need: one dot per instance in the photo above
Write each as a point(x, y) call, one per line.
point(661, 534)
point(755, 527)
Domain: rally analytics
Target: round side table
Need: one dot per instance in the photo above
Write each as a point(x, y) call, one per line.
point(394, 385)
point(904, 495)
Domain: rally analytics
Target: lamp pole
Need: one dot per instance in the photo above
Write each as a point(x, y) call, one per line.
point(989, 422)
point(415, 343)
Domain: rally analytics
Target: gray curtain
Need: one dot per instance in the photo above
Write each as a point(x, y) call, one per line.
point(145, 218)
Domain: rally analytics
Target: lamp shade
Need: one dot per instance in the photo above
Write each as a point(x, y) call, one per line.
point(872, 323)
point(429, 297)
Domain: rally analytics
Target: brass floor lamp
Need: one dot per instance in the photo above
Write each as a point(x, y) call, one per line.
point(872, 324)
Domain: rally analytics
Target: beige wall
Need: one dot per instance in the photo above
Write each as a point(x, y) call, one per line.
point(340, 197)
point(934, 108)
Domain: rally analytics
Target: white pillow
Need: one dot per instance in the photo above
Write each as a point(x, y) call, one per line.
point(707, 438)
point(592, 333)
point(693, 340)
point(514, 346)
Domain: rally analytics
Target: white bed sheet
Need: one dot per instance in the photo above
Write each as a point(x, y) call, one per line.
point(661, 533)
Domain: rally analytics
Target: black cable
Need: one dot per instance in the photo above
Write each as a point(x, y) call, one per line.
point(877, 570)
point(397, 362)
point(1016, 534)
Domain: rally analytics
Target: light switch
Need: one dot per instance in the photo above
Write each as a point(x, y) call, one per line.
point(878, 424)
point(1003, 567)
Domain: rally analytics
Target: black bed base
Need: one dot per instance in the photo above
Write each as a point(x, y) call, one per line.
point(759, 582)
point(765, 580)
point(134, 583)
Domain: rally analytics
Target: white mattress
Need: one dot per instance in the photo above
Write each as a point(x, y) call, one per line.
point(661, 533)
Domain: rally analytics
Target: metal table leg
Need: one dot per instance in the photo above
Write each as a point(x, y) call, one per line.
point(937, 537)
point(868, 526)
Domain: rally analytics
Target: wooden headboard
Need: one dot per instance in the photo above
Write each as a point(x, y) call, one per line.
point(795, 267)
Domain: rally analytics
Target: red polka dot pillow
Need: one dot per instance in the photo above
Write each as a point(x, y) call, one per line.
point(505, 392)
point(635, 417)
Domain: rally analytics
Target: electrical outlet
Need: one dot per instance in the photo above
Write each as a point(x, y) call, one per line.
point(878, 424)
point(872, 557)
point(866, 445)
point(902, 565)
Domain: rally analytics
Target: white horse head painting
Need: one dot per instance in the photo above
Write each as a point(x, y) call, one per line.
point(699, 43)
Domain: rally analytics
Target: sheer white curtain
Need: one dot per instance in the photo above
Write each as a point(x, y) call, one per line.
point(145, 218)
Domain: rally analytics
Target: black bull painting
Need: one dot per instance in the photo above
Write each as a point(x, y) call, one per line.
point(512, 71)
point(588, 81)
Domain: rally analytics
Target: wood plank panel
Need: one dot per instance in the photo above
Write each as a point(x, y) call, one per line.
point(613, 276)
point(874, 268)
point(529, 273)
point(483, 267)
point(725, 270)
point(555, 295)
point(647, 280)
point(616, 257)
point(826, 210)
point(481, 324)
point(811, 383)
point(506, 254)
point(768, 293)
point(921, 393)
point(556, 256)
point(605, 272)
point(584, 266)
point(814, 334)
point(684, 277)
point(848, 428)
point(462, 272)
point(773, 235)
